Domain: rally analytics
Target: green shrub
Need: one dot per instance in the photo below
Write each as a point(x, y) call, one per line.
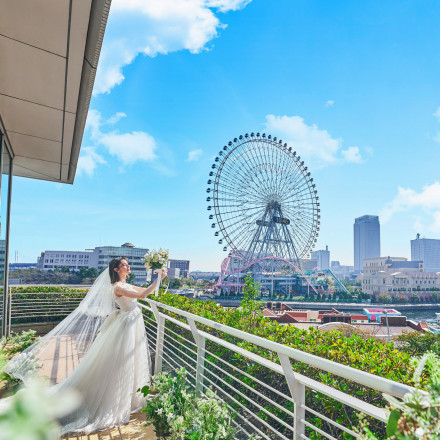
point(178, 414)
point(17, 342)
point(417, 415)
point(418, 343)
point(358, 351)
point(384, 298)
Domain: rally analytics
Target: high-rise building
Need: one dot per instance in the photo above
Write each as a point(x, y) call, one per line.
point(322, 258)
point(366, 240)
point(183, 265)
point(428, 251)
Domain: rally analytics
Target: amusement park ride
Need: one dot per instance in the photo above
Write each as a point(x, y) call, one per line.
point(265, 209)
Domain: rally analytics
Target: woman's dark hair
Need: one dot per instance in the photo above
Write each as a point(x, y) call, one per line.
point(114, 264)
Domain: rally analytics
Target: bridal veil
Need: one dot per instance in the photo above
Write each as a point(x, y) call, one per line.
point(57, 354)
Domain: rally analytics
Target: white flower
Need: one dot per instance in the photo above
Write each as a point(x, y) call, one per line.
point(159, 411)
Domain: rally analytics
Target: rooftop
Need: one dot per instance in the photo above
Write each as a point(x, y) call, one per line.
point(49, 52)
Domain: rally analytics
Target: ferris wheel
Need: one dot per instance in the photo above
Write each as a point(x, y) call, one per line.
point(262, 200)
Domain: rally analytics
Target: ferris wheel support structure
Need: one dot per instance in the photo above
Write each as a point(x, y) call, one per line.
point(263, 201)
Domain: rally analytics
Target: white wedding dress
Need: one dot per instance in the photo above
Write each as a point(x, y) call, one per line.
point(115, 366)
point(100, 351)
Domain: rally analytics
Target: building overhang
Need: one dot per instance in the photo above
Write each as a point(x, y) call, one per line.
point(49, 52)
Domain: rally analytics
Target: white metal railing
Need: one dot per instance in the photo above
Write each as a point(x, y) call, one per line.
point(290, 406)
point(39, 307)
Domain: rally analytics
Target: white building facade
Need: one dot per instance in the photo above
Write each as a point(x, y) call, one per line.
point(98, 258)
point(74, 260)
point(366, 231)
point(428, 251)
point(398, 276)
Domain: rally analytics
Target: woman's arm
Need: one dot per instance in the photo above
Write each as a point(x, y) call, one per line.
point(134, 291)
point(138, 292)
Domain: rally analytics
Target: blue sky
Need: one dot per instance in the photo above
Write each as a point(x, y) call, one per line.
point(354, 87)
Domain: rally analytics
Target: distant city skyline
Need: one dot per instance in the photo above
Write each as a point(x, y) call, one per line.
point(352, 87)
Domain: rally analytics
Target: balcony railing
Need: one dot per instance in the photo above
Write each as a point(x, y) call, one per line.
point(40, 307)
point(268, 397)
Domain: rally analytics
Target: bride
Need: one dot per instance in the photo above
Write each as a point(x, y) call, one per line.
point(100, 350)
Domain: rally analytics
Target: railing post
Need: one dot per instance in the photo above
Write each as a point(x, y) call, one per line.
point(10, 311)
point(298, 392)
point(159, 339)
point(200, 341)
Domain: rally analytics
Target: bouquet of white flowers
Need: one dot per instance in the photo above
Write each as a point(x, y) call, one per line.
point(156, 259)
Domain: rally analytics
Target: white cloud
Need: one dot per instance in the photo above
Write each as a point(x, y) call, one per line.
point(127, 147)
point(116, 118)
point(153, 27)
point(330, 103)
point(228, 5)
point(194, 155)
point(88, 161)
point(427, 200)
point(130, 147)
point(352, 154)
point(316, 145)
point(93, 123)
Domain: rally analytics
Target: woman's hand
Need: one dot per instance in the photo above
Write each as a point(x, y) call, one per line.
point(164, 273)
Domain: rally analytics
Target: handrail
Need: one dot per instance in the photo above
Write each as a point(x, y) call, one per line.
point(175, 348)
point(370, 380)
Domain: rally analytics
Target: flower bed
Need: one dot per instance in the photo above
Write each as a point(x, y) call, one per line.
point(178, 414)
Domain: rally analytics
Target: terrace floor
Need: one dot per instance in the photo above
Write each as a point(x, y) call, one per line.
point(135, 430)
point(65, 363)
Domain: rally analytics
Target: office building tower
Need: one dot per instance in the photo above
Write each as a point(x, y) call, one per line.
point(366, 240)
point(183, 265)
point(428, 251)
point(323, 258)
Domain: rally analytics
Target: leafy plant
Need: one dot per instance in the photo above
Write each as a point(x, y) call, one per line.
point(169, 402)
point(177, 413)
point(361, 351)
point(417, 416)
point(385, 298)
point(17, 342)
point(418, 343)
point(209, 419)
point(249, 303)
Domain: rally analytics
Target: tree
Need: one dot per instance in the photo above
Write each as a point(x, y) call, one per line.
point(92, 272)
point(384, 298)
point(415, 298)
point(175, 283)
point(250, 304)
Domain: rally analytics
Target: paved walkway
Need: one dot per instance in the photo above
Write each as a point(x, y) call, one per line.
point(133, 431)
